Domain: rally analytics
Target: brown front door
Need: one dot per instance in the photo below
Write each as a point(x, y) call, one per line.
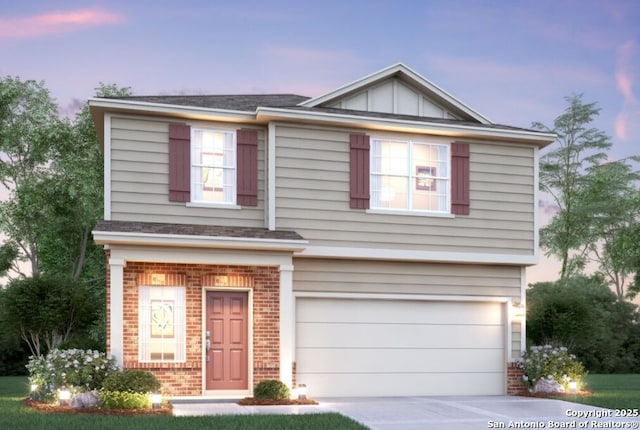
point(227, 335)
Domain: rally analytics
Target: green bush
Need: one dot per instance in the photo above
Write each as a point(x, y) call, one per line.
point(46, 310)
point(582, 313)
point(554, 363)
point(132, 381)
point(271, 389)
point(124, 400)
point(79, 370)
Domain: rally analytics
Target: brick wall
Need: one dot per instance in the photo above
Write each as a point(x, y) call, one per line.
point(185, 379)
point(515, 384)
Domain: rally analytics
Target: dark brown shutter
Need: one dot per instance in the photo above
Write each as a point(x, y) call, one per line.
point(247, 165)
point(179, 163)
point(359, 171)
point(460, 178)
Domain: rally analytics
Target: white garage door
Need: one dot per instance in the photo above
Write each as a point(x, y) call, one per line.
point(356, 347)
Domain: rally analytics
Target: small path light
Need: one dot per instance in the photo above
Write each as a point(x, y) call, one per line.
point(64, 395)
point(573, 387)
point(302, 391)
point(156, 400)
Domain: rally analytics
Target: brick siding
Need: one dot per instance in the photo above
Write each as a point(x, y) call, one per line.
point(515, 384)
point(186, 379)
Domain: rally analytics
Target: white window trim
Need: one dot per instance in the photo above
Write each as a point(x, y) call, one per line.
point(414, 212)
point(391, 211)
point(183, 329)
point(219, 205)
point(203, 203)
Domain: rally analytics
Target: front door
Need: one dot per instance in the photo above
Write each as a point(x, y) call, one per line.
point(227, 340)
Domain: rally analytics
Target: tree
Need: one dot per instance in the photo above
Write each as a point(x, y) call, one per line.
point(611, 199)
point(65, 189)
point(46, 310)
point(29, 126)
point(595, 197)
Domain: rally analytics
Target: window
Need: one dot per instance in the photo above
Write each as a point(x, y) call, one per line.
point(408, 175)
point(161, 322)
point(213, 166)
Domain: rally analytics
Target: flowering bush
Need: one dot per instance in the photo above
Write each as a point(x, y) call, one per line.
point(77, 369)
point(554, 363)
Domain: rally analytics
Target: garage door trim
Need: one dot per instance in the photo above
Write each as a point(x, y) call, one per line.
point(507, 317)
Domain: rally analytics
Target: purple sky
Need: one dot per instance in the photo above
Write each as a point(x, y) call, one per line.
point(513, 61)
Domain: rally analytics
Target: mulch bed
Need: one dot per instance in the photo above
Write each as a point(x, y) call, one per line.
point(584, 393)
point(56, 409)
point(250, 401)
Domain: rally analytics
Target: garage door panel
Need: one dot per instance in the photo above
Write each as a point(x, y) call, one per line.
point(402, 311)
point(367, 347)
point(427, 384)
point(344, 335)
point(399, 360)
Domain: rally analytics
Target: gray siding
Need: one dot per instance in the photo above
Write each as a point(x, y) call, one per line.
point(140, 178)
point(383, 277)
point(313, 199)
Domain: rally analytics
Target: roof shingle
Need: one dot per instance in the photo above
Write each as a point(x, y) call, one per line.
point(195, 230)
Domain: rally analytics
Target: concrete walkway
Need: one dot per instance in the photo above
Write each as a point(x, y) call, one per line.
point(419, 413)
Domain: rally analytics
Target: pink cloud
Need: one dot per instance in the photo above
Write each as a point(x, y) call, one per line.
point(55, 23)
point(621, 125)
point(625, 80)
point(624, 77)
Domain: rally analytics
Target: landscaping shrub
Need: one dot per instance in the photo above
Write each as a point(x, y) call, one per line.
point(79, 370)
point(124, 400)
point(271, 389)
point(585, 315)
point(549, 362)
point(132, 381)
point(128, 389)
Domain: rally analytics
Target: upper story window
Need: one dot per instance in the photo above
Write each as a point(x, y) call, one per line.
point(410, 175)
point(213, 166)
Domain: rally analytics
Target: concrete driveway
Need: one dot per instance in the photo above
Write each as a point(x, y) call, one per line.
point(419, 413)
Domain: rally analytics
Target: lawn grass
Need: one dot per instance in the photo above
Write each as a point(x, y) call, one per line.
point(611, 391)
point(15, 416)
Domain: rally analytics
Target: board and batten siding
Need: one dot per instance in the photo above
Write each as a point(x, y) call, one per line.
point(312, 198)
point(329, 276)
point(140, 178)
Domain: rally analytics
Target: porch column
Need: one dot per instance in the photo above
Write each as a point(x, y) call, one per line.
point(116, 268)
point(286, 324)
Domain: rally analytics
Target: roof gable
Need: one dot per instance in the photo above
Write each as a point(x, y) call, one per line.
point(397, 90)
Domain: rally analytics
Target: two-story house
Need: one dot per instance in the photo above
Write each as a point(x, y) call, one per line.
point(368, 242)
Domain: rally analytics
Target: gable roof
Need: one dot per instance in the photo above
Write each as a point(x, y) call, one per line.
point(395, 98)
point(407, 75)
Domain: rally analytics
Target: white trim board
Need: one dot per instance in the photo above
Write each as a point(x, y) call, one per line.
point(409, 255)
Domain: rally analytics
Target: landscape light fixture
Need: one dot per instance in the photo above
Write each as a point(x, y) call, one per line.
point(156, 400)
point(302, 391)
point(64, 395)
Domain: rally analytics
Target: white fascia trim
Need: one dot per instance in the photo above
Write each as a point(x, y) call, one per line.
point(169, 254)
point(454, 130)
point(172, 110)
point(536, 200)
point(172, 240)
point(408, 255)
point(271, 176)
point(106, 154)
point(390, 71)
point(523, 302)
